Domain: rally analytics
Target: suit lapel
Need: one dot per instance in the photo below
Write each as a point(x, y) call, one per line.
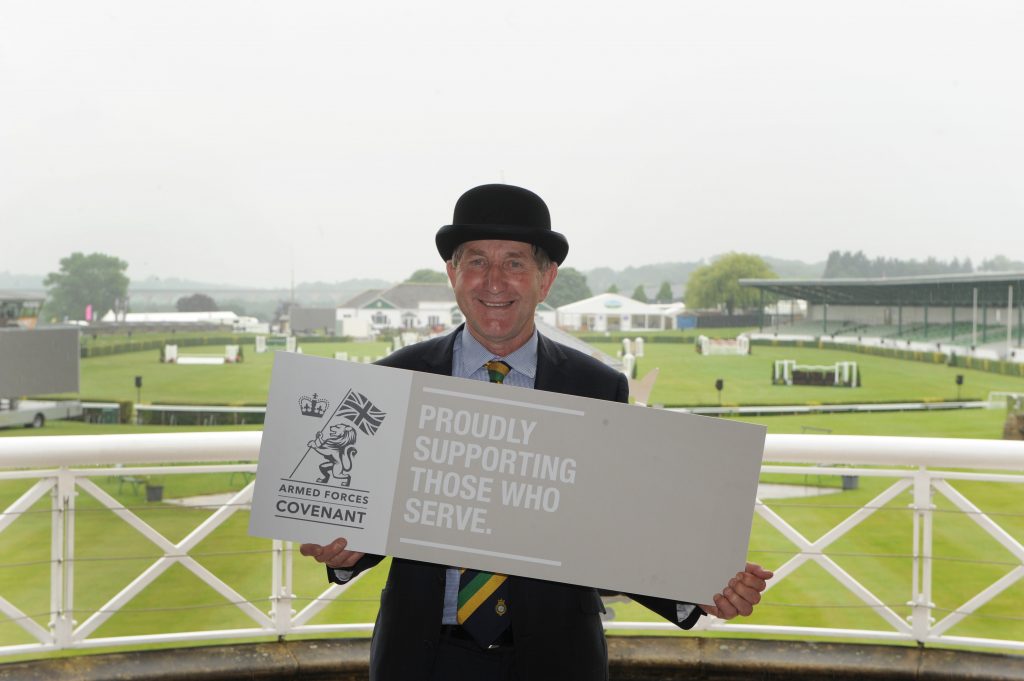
point(551, 372)
point(437, 359)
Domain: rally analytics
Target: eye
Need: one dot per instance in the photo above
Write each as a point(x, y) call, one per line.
point(476, 263)
point(515, 265)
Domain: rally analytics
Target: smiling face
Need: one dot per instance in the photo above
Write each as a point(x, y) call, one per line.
point(498, 286)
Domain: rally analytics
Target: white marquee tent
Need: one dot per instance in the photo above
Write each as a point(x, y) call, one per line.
point(614, 312)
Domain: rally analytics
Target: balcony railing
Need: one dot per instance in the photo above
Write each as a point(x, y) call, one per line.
point(62, 486)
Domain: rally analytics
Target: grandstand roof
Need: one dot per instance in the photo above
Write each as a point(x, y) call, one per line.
point(937, 290)
point(21, 296)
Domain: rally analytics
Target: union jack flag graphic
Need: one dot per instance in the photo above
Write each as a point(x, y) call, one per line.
point(361, 412)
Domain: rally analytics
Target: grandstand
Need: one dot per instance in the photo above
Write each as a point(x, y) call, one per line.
point(18, 309)
point(974, 311)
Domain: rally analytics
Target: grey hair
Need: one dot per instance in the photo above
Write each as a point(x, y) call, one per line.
point(540, 256)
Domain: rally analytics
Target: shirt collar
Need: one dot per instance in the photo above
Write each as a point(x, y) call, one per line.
point(522, 360)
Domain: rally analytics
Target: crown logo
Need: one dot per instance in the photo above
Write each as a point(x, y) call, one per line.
point(313, 406)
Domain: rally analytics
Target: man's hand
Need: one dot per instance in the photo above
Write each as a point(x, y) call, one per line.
point(334, 555)
point(741, 594)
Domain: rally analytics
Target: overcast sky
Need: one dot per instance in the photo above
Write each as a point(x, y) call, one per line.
point(233, 141)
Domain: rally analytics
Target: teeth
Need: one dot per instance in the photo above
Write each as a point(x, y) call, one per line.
point(486, 304)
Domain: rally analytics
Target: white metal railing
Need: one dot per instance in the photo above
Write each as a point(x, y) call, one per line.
point(65, 467)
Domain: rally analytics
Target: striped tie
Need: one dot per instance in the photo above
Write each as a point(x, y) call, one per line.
point(483, 596)
point(497, 370)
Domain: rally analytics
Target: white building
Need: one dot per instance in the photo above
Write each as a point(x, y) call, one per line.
point(423, 307)
point(547, 314)
point(614, 312)
point(405, 306)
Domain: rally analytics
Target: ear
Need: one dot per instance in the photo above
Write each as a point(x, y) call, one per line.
point(450, 268)
point(547, 279)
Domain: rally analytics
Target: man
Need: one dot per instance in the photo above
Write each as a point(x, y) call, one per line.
point(502, 258)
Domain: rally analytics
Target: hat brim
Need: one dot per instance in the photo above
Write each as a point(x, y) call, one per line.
point(450, 236)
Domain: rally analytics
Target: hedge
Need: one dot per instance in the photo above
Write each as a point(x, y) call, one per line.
point(158, 344)
point(994, 366)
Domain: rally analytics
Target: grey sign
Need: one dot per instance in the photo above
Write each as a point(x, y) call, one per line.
point(506, 479)
point(38, 362)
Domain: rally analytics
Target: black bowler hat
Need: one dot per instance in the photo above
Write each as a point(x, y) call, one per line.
point(501, 211)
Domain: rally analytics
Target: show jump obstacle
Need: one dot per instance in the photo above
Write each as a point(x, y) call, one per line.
point(723, 346)
point(840, 375)
point(275, 342)
point(232, 355)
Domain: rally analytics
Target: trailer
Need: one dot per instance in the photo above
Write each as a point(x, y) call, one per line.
point(35, 413)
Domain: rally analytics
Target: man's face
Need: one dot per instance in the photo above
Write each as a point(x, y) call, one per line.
point(498, 287)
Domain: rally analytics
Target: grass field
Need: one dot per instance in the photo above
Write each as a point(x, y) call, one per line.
point(88, 340)
point(112, 378)
point(687, 379)
point(110, 553)
point(969, 423)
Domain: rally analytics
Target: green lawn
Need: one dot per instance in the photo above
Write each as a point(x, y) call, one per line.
point(687, 379)
point(969, 423)
point(80, 428)
point(110, 553)
point(875, 553)
point(104, 340)
point(112, 378)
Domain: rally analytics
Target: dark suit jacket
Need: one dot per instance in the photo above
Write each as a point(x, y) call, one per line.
point(557, 627)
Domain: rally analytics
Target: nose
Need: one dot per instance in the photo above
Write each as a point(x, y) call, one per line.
point(494, 278)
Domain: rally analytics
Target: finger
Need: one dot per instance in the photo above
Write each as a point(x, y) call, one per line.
point(324, 554)
point(746, 592)
point(336, 546)
point(751, 581)
point(310, 549)
point(347, 560)
point(726, 610)
point(334, 553)
point(741, 605)
point(758, 571)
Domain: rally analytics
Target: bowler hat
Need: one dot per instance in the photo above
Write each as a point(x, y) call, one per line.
point(501, 211)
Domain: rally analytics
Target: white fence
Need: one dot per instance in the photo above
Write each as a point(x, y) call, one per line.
point(63, 480)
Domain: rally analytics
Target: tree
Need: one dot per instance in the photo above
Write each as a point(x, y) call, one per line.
point(848, 264)
point(612, 289)
point(197, 302)
point(1001, 263)
point(664, 293)
point(569, 286)
point(96, 279)
point(639, 294)
point(718, 284)
point(427, 276)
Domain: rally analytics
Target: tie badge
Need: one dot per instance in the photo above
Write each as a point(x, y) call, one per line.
point(500, 608)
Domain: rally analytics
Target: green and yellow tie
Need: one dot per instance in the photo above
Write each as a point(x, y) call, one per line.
point(483, 596)
point(497, 370)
